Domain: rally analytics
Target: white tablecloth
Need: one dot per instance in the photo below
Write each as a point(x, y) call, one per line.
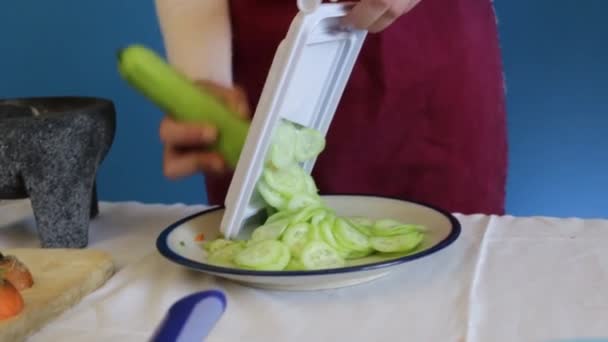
point(505, 279)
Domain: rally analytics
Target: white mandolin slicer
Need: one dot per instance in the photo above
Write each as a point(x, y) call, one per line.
point(304, 86)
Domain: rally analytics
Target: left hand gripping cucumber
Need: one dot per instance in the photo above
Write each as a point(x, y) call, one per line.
point(182, 98)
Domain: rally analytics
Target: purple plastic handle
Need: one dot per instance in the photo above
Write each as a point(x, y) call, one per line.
point(192, 318)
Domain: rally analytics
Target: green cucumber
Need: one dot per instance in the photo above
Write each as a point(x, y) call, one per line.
point(314, 233)
point(360, 225)
point(267, 255)
point(389, 227)
point(214, 245)
point(318, 216)
point(294, 265)
point(225, 256)
point(178, 96)
point(301, 201)
point(270, 231)
point(273, 198)
point(282, 149)
point(302, 233)
point(278, 216)
point(309, 183)
point(353, 255)
point(308, 144)
point(305, 214)
point(397, 243)
point(295, 237)
point(319, 255)
point(327, 235)
point(349, 237)
point(284, 181)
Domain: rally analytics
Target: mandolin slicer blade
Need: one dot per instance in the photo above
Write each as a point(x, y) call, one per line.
point(305, 83)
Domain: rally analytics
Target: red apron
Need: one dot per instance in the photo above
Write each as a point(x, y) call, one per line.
point(423, 115)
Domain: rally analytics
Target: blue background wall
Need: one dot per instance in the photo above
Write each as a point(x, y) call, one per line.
point(68, 47)
point(555, 55)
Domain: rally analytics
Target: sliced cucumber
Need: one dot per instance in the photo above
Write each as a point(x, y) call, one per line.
point(304, 214)
point(270, 231)
point(309, 143)
point(282, 149)
point(294, 265)
point(327, 234)
point(352, 255)
point(271, 197)
point(224, 256)
point(350, 237)
point(285, 181)
point(278, 216)
point(397, 243)
point(309, 183)
point(214, 245)
point(268, 255)
point(295, 237)
point(389, 227)
point(319, 255)
point(301, 232)
point(301, 201)
point(319, 215)
point(314, 233)
point(362, 228)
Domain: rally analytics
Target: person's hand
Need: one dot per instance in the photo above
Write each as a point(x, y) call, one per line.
point(376, 15)
point(186, 145)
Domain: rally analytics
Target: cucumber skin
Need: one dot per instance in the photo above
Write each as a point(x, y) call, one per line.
point(171, 91)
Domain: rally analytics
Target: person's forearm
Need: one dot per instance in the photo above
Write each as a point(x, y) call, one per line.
point(197, 37)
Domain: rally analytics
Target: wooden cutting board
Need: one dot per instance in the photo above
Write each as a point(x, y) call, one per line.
point(62, 277)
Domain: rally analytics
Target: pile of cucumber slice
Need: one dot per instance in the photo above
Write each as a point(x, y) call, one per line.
point(302, 233)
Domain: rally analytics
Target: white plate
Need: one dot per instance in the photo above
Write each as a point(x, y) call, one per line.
point(177, 243)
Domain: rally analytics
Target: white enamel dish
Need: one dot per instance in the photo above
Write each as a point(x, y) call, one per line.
point(178, 244)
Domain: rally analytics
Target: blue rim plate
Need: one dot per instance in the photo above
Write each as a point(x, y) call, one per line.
point(165, 250)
